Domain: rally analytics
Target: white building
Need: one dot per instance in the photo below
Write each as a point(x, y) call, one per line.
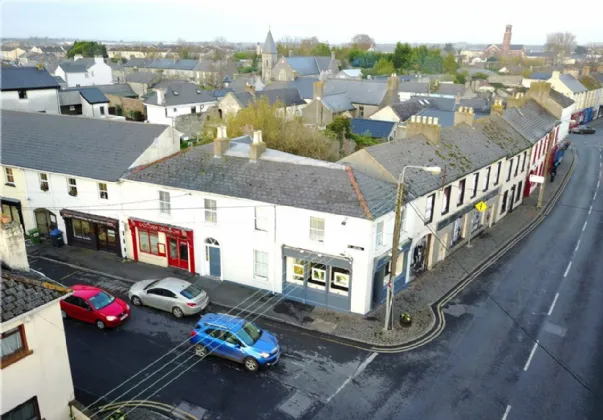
point(29, 89)
point(175, 99)
point(572, 88)
point(85, 72)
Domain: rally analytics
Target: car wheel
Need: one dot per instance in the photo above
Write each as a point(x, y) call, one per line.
point(177, 312)
point(136, 301)
point(100, 325)
point(251, 364)
point(64, 314)
point(201, 351)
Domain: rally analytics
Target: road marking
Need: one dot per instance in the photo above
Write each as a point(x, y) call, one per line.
point(598, 183)
point(525, 368)
point(590, 210)
point(577, 246)
point(68, 275)
point(595, 196)
point(567, 269)
point(584, 227)
point(358, 371)
point(553, 304)
point(504, 417)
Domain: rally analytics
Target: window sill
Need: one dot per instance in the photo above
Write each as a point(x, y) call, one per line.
point(14, 358)
point(9, 184)
point(262, 279)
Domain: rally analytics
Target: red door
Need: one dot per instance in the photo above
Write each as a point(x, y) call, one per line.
point(178, 252)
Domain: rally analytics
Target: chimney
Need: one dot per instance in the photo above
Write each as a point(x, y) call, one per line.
point(257, 147)
point(160, 96)
point(540, 91)
point(393, 85)
point(77, 57)
point(12, 245)
point(516, 101)
point(249, 88)
point(585, 71)
point(428, 126)
point(319, 90)
point(497, 108)
point(221, 143)
point(98, 60)
point(290, 53)
point(457, 99)
point(464, 115)
point(556, 74)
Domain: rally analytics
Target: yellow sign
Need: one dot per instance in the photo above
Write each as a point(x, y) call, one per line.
point(481, 206)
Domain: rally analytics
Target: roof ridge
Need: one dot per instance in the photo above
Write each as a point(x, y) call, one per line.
point(356, 188)
point(33, 282)
point(163, 159)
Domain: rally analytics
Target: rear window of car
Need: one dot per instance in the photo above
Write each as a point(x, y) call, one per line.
point(191, 292)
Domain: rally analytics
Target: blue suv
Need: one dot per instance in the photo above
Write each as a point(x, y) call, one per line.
point(235, 339)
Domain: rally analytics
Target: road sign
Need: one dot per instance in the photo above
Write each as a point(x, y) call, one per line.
point(537, 179)
point(481, 206)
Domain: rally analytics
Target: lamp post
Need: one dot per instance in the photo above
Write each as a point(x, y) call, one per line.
point(436, 170)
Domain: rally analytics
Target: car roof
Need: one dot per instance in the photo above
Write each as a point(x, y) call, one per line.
point(173, 284)
point(86, 292)
point(225, 321)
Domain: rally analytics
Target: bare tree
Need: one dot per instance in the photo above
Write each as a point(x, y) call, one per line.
point(220, 41)
point(560, 45)
point(363, 41)
point(290, 42)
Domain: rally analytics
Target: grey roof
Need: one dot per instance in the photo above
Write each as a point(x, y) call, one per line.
point(51, 49)
point(338, 102)
point(24, 292)
point(163, 63)
point(531, 121)
point(451, 89)
point(145, 77)
point(93, 96)
point(239, 84)
point(478, 104)
point(117, 89)
point(305, 86)
point(598, 76)
point(446, 118)
point(269, 45)
point(181, 93)
point(13, 78)
point(69, 97)
point(375, 128)
point(319, 188)
point(286, 96)
point(59, 79)
point(365, 92)
point(304, 66)
point(561, 99)
point(405, 110)
point(379, 195)
point(87, 147)
point(414, 87)
point(77, 66)
point(541, 75)
point(572, 84)
point(243, 97)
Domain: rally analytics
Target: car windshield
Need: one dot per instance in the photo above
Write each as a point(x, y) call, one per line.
point(250, 333)
point(101, 300)
point(151, 284)
point(191, 292)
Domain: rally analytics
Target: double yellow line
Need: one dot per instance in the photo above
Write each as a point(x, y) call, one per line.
point(152, 405)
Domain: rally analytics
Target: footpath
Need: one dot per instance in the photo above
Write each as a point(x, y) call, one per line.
point(423, 298)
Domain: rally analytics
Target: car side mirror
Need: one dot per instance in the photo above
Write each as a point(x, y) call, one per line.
point(238, 345)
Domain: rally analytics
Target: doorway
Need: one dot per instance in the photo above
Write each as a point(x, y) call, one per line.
point(177, 252)
point(46, 221)
point(107, 239)
point(213, 258)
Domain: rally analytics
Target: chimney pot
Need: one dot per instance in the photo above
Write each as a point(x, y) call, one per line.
point(461, 108)
point(424, 119)
point(435, 121)
point(470, 110)
point(429, 120)
point(257, 137)
point(221, 143)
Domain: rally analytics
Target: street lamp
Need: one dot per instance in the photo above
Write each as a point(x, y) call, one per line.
point(435, 170)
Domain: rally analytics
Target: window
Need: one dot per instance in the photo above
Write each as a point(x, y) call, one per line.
point(86, 75)
point(72, 187)
point(175, 110)
point(446, 200)
point(523, 164)
point(29, 410)
point(318, 276)
point(102, 190)
point(317, 229)
point(102, 110)
point(193, 109)
point(13, 346)
point(361, 111)
point(44, 185)
point(461, 195)
point(517, 167)
point(262, 218)
point(22, 94)
point(82, 229)
point(164, 202)
point(71, 108)
point(92, 73)
point(487, 185)
point(298, 272)
point(429, 208)
point(10, 177)
point(211, 211)
point(166, 112)
point(510, 170)
point(519, 190)
point(260, 264)
point(379, 236)
point(148, 242)
point(475, 185)
point(503, 205)
point(340, 281)
point(498, 168)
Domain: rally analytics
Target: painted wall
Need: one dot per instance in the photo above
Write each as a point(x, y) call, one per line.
point(46, 372)
point(97, 74)
point(385, 114)
point(166, 114)
point(17, 191)
point(38, 100)
point(94, 110)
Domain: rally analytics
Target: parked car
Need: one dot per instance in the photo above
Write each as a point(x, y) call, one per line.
point(94, 305)
point(583, 129)
point(236, 339)
point(169, 294)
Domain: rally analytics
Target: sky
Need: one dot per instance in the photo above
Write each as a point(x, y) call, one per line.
point(386, 21)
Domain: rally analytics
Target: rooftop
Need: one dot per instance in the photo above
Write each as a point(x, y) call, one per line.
point(560, 98)
point(572, 84)
point(14, 78)
point(145, 77)
point(374, 128)
point(532, 121)
point(181, 93)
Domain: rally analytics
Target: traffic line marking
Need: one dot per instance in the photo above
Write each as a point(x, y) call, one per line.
point(504, 417)
point(525, 368)
point(577, 245)
point(358, 371)
point(567, 269)
point(584, 227)
point(590, 210)
point(553, 304)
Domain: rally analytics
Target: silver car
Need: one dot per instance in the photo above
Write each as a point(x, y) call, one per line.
point(169, 294)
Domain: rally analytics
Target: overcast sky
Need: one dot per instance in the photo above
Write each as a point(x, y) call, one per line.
point(436, 21)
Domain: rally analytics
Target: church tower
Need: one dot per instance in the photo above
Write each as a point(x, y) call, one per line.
point(506, 46)
point(269, 57)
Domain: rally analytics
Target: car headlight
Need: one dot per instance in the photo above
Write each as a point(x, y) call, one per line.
point(111, 318)
point(127, 307)
point(265, 355)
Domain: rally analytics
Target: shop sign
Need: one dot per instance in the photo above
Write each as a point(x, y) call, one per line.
point(152, 227)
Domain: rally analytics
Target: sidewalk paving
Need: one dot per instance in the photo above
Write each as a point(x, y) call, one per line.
point(416, 299)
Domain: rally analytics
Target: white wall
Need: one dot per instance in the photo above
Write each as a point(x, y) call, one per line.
point(385, 114)
point(38, 100)
point(46, 372)
point(166, 144)
point(97, 74)
point(94, 110)
point(157, 114)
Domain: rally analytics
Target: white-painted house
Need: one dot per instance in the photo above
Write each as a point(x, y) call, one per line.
point(175, 99)
point(29, 89)
point(85, 72)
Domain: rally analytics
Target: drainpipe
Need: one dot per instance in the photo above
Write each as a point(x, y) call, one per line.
point(274, 247)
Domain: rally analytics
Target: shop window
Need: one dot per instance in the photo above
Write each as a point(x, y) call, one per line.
point(149, 242)
point(44, 184)
point(446, 200)
point(262, 218)
point(429, 208)
point(211, 211)
point(476, 220)
point(13, 346)
point(260, 264)
point(379, 237)
point(461, 196)
point(72, 187)
point(165, 206)
point(10, 177)
point(318, 276)
point(298, 271)
point(340, 281)
point(82, 229)
point(29, 410)
point(102, 190)
point(317, 229)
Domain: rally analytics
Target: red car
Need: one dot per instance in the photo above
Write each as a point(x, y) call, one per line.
point(94, 305)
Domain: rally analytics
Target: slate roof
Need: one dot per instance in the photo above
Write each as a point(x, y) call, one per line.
point(24, 292)
point(307, 66)
point(478, 104)
point(451, 89)
point(13, 78)
point(541, 75)
point(69, 97)
point(374, 128)
point(287, 97)
point(598, 76)
point(117, 89)
point(531, 121)
point(446, 118)
point(561, 99)
point(86, 147)
point(338, 102)
point(305, 86)
point(365, 92)
point(572, 84)
point(78, 66)
point(181, 93)
point(52, 49)
point(163, 63)
point(414, 87)
point(320, 188)
point(405, 110)
point(269, 45)
point(144, 77)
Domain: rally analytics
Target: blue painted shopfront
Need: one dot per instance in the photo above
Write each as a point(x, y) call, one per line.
point(587, 115)
point(383, 271)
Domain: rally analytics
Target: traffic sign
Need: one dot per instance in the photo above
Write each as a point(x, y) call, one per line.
point(481, 206)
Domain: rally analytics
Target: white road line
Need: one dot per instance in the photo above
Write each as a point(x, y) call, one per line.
point(577, 245)
point(553, 304)
point(598, 183)
point(590, 210)
point(567, 269)
point(584, 227)
point(595, 196)
point(504, 417)
point(358, 371)
point(525, 368)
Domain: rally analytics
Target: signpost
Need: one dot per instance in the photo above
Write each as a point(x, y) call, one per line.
point(480, 207)
point(537, 179)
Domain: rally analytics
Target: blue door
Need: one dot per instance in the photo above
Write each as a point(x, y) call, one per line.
point(214, 262)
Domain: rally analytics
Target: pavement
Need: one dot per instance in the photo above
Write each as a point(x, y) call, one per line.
point(423, 298)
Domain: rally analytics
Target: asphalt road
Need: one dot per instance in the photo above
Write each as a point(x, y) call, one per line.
point(521, 342)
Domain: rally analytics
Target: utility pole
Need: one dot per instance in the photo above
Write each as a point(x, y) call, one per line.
point(396, 242)
point(547, 160)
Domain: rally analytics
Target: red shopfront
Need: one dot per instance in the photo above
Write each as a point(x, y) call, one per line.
point(576, 119)
point(173, 243)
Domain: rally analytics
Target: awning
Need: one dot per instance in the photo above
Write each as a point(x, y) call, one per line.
point(114, 223)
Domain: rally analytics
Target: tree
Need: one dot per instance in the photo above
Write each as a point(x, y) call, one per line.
point(184, 53)
point(321, 49)
point(87, 49)
point(581, 50)
point(401, 57)
point(449, 48)
point(384, 67)
point(362, 41)
point(480, 75)
point(461, 77)
point(339, 128)
point(560, 44)
point(449, 65)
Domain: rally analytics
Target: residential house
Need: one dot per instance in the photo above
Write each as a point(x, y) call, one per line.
point(142, 81)
point(29, 89)
point(349, 74)
point(198, 71)
point(573, 89)
point(556, 104)
point(593, 96)
point(56, 50)
point(288, 99)
point(88, 101)
point(175, 99)
point(243, 82)
point(63, 172)
point(537, 76)
point(506, 80)
point(12, 54)
point(85, 72)
point(599, 109)
point(408, 90)
point(382, 130)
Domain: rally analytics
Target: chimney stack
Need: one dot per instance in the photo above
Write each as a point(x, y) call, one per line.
point(257, 147)
point(12, 245)
point(540, 91)
point(555, 74)
point(393, 85)
point(319, 90)
point(221, 143)
point(429, 127)
point(249, 88)
point(160, 96)
point(585, 71)
point(464, 115)
point(497, 108)
point(98, 59)
point(517, 101)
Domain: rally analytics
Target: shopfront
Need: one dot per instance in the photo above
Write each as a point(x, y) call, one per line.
point(383, 272)
point(587, 115)
point(576, 119)
point(12, 209)
point(162, 244)
point(92, 231)
point(317, 279)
